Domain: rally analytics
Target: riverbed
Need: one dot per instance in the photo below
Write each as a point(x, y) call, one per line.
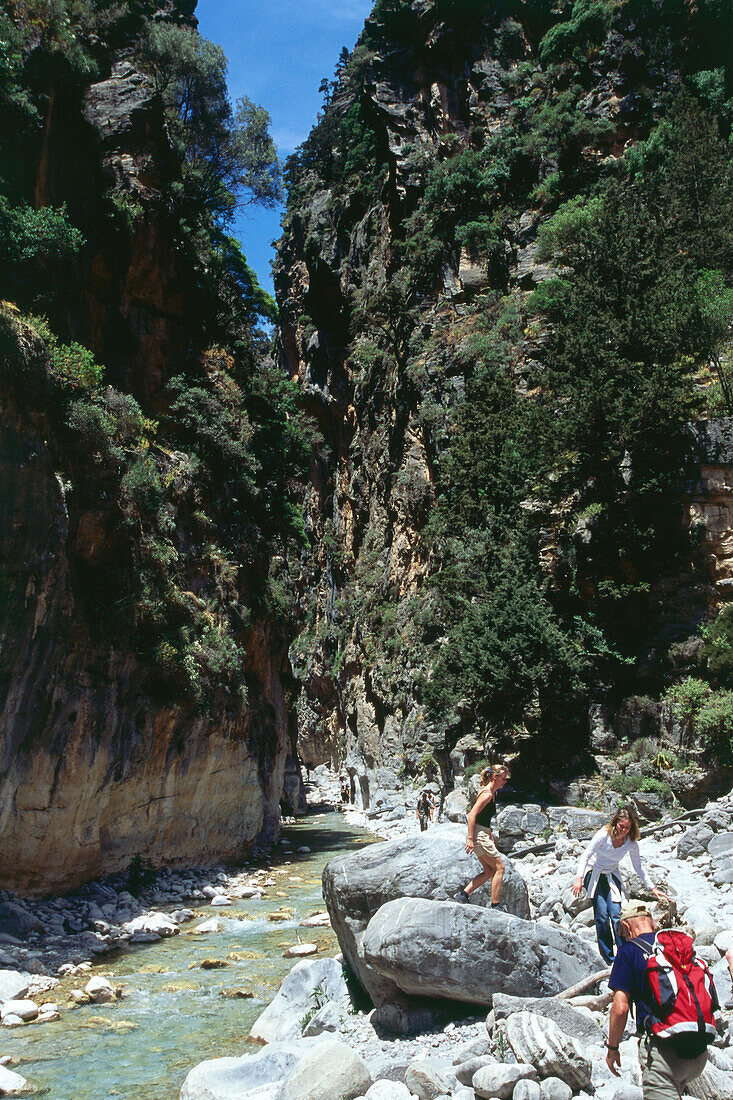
point(174, 1013)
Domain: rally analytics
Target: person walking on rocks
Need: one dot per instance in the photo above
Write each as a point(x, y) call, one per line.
point(424, 810)
point(480, 838)
point(598, 875)
point(674, 1048)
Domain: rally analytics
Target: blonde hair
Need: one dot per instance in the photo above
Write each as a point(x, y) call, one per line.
point(488, 773)
point(622, 814)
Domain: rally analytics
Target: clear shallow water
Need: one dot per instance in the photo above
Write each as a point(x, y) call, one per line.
point(173, 1014)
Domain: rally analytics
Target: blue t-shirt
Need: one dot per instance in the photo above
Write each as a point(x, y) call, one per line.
point(629, 974)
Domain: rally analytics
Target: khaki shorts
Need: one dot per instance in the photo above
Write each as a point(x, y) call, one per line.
point(664, 1076)
point(483, 845)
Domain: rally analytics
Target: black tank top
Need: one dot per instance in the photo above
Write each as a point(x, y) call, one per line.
point(486, 814)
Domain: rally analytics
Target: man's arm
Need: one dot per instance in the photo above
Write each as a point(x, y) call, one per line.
point(616, 1024)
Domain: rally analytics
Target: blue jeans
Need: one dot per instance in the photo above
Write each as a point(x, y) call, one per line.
point(607, 913)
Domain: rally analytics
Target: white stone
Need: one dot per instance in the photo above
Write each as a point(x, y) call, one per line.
point(723, 941)
point(253, 1075)
point(211, 925)
point(389, 1090)
point(280, 1021)
point(100, 990)
point(499, 1080)
point(11, 1084)
point(300, 950)
point(180, 916)
point(329, 1017)
point(26, 1010)
point(13, 985)
point(11, 1020)
point(220, 900)
point(157, 924)
point(528, 1090)
point(48, 1017)
point(552, 1088)
point(329, 1071)
point(426, 1080)
point(316, 920)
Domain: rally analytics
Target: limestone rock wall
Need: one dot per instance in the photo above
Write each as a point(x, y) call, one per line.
point(93, 770)
point(98, 762)
point(387, 420)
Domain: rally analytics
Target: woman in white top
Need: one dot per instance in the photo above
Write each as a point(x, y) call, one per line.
point(598, 874)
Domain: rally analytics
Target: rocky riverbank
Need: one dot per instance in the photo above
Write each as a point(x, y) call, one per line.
point(447, 982)
point(434, 1035)
point(105, 944)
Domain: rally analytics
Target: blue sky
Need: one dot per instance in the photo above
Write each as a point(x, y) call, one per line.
point(279, 51)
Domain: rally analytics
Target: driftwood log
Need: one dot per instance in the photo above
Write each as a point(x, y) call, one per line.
point(586, 983)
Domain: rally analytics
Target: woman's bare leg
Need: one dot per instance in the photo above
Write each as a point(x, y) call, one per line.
point(493, 868)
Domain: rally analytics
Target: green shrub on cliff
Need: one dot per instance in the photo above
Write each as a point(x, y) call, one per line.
point(715, 724)
point(717, 649)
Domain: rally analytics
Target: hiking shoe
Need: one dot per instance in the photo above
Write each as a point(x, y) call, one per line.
point(461, 896)
point(499, 908)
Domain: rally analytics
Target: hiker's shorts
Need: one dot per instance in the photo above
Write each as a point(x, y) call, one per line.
point(664, 1076)
point(483, 845)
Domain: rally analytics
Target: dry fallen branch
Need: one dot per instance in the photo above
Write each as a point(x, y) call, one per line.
point(586, 983)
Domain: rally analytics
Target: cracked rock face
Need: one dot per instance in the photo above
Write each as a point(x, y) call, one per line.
point(539, 1041)
point(92, 771)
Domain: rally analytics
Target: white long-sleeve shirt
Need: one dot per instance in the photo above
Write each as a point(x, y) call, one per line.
point(602, 858)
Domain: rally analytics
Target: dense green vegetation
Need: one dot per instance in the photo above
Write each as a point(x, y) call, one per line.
point(197, 481)
point(553, 509)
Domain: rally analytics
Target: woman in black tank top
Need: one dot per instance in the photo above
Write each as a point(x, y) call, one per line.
point(480, 838)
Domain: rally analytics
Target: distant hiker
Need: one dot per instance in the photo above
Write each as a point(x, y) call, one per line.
point(674, 1000)
point(598, 874)
point(345, 790)
point(481, 839)
point(424, 812)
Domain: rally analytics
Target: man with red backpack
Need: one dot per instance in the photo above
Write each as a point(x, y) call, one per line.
point(675, 1003)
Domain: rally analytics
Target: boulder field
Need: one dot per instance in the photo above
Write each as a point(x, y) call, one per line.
point(433, 966)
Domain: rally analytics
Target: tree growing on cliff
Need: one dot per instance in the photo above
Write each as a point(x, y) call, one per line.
point(229, 155)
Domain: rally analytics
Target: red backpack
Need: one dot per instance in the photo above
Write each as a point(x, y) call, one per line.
point(683, 992)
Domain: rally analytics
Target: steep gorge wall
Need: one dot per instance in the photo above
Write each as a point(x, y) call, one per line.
point(100, 759)
point(385, 389)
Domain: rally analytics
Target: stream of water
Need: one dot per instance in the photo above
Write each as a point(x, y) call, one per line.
point(174, 1013)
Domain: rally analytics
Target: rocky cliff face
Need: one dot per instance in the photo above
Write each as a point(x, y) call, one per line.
point(384, 355)
point(94, 771)
point(144, 683)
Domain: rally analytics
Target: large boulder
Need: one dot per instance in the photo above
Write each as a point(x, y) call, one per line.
point(455, 806)
point(520, 826)
point(694, 841)
point(249, 1076)
point(13, 985)
point(467, 953)
point(17, 921)
point(578, 1025)
point(12, 1084)
point(433, 865)
point(282, 1018)
point(580, 824)
point(330, 1071)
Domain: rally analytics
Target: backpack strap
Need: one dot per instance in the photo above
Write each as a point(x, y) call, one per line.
point(648, 949)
